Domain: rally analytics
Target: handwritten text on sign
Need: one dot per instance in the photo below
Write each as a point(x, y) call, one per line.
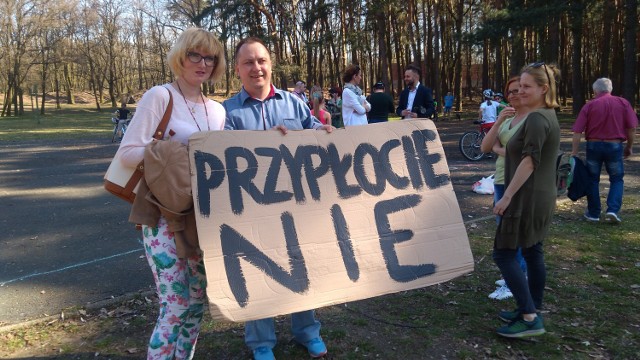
point(293, 222)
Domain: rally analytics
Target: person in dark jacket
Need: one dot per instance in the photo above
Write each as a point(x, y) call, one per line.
point(416, 100)
point(381, 104)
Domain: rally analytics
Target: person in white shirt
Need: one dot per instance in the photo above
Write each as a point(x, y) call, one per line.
point(354, 104)
point(488, 112)
point(196, 57)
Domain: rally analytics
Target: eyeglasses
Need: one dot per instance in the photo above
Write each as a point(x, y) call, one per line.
point(195, 58)
point(539, 64)
point(512, 92)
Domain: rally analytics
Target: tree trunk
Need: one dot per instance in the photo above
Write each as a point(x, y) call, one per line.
point(437, 85)
point(630, 56)
point(577, 11)
point(43, 82)
point(67, 80)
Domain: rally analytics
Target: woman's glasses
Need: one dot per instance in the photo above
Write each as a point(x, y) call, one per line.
point(512, 92)
point(195, 58)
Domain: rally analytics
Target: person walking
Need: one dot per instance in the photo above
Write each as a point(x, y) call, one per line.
point(260, 106)
point(529, 200)
point(354, 104)
point(381, 104)
point(607, 122)
point(196, 57)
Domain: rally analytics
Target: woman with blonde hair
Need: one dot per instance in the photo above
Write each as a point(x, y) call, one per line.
point(196, 57)
point(529, 200)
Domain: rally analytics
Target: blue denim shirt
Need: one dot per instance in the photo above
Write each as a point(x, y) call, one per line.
point(283, 108)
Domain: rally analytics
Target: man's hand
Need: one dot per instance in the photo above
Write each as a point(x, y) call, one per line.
point(408, 113)
point(628, 151)
point(283, 129)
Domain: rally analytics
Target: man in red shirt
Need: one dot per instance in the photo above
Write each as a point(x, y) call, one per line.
point(607, 122)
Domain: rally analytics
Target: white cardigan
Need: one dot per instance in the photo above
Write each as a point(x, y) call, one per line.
point(353, 113)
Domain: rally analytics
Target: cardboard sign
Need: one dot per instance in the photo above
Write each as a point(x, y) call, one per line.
point(309, 219)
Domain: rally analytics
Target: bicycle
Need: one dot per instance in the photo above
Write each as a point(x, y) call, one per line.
point(119, 128)
point(470, 141)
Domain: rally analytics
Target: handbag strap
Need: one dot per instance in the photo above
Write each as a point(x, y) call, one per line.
point(162, 127)
point(158, 135)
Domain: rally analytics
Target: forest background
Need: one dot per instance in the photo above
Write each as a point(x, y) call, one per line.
point(116, 49)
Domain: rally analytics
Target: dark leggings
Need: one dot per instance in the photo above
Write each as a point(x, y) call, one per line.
point(528, 294)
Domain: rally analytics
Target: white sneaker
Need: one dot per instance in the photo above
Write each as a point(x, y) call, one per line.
point(505, 294)
point(612, 218)
point(591, 218)
point(501, 282)
point(496, 292)
point(501, 293)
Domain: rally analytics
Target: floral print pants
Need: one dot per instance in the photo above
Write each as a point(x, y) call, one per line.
point(180, 284)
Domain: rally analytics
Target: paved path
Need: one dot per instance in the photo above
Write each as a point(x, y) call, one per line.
point(66, 242)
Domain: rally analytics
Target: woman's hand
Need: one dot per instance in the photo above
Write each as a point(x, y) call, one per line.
point(326, 127)
point(507, 112)
point(502, 205)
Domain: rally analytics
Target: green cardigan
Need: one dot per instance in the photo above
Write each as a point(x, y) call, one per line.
point(527, 218)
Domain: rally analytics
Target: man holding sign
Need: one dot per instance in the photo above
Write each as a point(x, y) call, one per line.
point(260, 106)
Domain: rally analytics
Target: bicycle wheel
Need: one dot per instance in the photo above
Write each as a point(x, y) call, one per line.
point(115, 133)
point(123, 130)
point(470, 145)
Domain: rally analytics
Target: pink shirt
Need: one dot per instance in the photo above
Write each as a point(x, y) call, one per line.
point(606, 117)
point(320, 116)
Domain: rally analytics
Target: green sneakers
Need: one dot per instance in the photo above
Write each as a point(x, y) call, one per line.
point(509, 316)
point(521, 328)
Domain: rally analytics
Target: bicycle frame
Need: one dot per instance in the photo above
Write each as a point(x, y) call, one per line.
point(119, 128)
